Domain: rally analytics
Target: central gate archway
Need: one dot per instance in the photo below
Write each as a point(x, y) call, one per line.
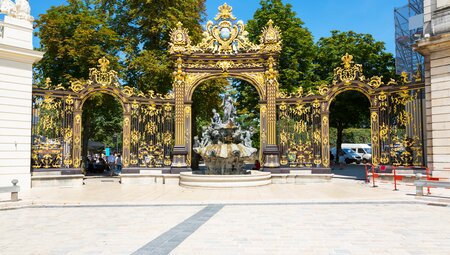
point(225, 51)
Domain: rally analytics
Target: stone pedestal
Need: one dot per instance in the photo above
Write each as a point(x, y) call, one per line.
point(271, 159)
point(179, 156)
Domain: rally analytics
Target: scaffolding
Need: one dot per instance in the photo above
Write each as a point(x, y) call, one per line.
point(408, 29)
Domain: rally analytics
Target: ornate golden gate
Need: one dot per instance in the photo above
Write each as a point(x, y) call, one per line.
point(294, 128)
point(396, 119)
point(225, 51)
point(148, 124)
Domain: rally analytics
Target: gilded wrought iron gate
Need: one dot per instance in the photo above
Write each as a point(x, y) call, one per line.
point(294, 128)
point(396, 117)
point(148, 123)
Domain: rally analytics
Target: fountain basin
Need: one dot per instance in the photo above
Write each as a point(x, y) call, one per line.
point(255, 179)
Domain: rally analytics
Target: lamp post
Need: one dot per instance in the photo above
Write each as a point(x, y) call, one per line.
point(115, 138)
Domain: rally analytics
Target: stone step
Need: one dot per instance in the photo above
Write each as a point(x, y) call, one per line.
point(101, 180)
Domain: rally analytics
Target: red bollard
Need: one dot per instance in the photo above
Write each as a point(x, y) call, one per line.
point(373, 176)
point(428, 178)
point(395, 179)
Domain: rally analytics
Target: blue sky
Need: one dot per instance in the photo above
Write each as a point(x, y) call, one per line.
point(320, 16)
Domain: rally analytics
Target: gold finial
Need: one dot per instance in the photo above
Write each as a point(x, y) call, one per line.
point(347, 60)
point(418, 76)
point(270, 23)
point(225, 12)
point(103, 64)
point(179, 24)
point(48, 83)
point(405, 77)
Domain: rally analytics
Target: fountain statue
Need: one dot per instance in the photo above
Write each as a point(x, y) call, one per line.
point(224, 145)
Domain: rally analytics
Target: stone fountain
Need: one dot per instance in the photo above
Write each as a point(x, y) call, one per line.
point(225, 146)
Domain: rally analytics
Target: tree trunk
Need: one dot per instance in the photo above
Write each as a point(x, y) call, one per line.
point(85, 133)
point(340, 131)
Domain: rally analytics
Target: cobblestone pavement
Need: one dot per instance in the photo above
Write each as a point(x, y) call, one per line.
point(182, 221)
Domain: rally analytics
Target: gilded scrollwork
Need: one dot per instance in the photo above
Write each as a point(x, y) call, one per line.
point(349, 72)
point(271, 38)
point(103, 75)
point(225, 36)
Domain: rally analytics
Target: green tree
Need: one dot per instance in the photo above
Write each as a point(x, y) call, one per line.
point(133, 34)
point(351, 109)
point(298, 50)
point(74, 37)
point(145, 28)
point(207, 96)
point(364, 49)
point(102, 118)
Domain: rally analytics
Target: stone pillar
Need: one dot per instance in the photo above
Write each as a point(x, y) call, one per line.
point(435, 46)
point(375, 135)
point(16, 70)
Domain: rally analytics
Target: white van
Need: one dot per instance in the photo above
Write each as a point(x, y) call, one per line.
point(362, 149)
point(347, 155)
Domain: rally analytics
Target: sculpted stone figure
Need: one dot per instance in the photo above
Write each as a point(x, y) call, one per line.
point(248, 137)
point(216, 118)
point(20, 10)
point(196, 142)
point(225, 146)
point(23, 9)
point(7, 7)
point(229, 111)
point(206, 137)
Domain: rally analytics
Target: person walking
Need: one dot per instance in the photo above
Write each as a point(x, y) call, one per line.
point(118, 164)
point(111, 163)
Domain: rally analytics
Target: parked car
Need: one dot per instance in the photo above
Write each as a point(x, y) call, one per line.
point(347, 155)
point(362, 149)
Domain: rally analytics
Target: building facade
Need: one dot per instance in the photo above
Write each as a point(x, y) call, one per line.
point(16, 63)
point(435, 47)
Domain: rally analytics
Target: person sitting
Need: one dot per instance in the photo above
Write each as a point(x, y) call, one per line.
point(257, 165)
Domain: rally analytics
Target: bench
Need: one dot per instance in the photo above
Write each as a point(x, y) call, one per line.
point(13, 189)
point(420, 184)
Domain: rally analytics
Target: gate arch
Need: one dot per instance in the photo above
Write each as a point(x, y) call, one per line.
point(397, 128)
point(361, 87)
point(147, 123)
point(225, 51)
point(258, 85)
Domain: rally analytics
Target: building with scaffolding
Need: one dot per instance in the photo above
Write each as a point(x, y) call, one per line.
point(408, 29)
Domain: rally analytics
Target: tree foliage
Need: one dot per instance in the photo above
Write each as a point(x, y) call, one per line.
point(102, 119)
point(74, 37)
point(364, 49)
point(207, 96)
point(298, 51)
point(145, 28)
point(351, 109)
